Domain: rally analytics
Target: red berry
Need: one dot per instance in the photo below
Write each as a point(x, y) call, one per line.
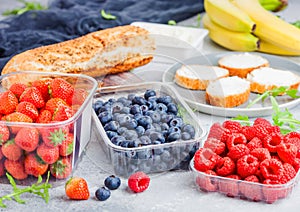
point(249, 132)
point(17, 89)
point(270, 194)
point(62, 168)
point(60, 88)
point(238, 151)
point(48, 154)
point(288, 173)
point(34, 165)
point(261, 131)
point(247, 165)
point(271, 169)
point(287, 152)
point(254, 143)
point(250, 190)
point(8, 102)
point(234, 139)
point(15, 169)
point(262, 121)
point(205, 159)
point(34, 96)
point(271, 141)
point(27, 138)
point(233, 126)
point(28, 109)
point(11, 150)
point(261, 154)
point(45, 116)
point(4, 133)
point(206, 182)
point(218, 131)
point(43, 86)
point(77, 188)
point(230, 187)
point(225, 166)
point(138, 182)
point(215, 145)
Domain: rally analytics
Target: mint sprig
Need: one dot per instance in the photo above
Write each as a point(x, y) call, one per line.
point(107, 16)
point(27, 7)
point(39, 188)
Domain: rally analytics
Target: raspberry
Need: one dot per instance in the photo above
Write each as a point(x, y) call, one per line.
point(261, 154)
point(293, 138)
point(289, 173)
point(271, 141)
point(225, 166)
point(254, 143)
point(217, 131)
point(287, 152)
point(262, 121)
point(238, 151)
point(249, 132)
point(247, 165)
point(271, 169)
point(261, 131)
point(250, 190)
point(138, 182)
point(273, 129)
point(215, 145)
point(205, 159)
point(206, 182)
point(234, 139)
point(233, 126)
point(230, 187)
point(296, 164)
point(270, 194)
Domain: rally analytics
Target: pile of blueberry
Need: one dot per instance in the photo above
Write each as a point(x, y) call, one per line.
point(143, 120)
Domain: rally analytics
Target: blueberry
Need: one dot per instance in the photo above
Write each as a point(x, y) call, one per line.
point(111, 126)
point(112, 100)
point(155, 116)
point(102, 193)
point(124, 144)
point(145, 140)
point(173, 136)
point(157, 150)
point(117, 107)
point(144, 121)
point(174, 129)
point(121, 130)
point(139, 100)
point(172, 108)
point(112, 182)
point(96, 106)
point(189, 129)
point(105, 107)
point(164, 126)
point(144, 154)
point(124, 101)
point(111, 134)
point(166, 156)
point(130, 96)
point(185, 136)
point(176, 122)
point(157, 136)
point(161, 108)
point(166, 118)
point(117, 140)
point(105, 117)
point(156, 127)
point(125, 110)
point(131, 124)
point(137, 116)
point(149, 93)
point(151, 104)
point(130, 134)
point(140, 130)
point(123, 119)
point(144, 108)
point(164, 99)
point(134, 109)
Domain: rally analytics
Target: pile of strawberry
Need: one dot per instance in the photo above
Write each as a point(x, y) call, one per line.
point(32, 150)
point(253, 162)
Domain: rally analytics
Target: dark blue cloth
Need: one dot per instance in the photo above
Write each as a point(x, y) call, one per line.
point(67, 19)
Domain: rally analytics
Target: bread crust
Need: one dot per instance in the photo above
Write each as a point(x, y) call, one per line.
point(96, 54)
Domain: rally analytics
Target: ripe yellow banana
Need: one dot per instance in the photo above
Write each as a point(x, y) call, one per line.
point(269, 48)
point(270, 27)
point(227, 15)
point(236, 41)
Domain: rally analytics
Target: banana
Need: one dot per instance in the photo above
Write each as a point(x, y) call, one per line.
point(236, 41)
point(270, 27)
point(269, 48)
point(226, 14)
point(274, 5)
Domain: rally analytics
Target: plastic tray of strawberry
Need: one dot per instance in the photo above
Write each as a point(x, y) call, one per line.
point(146, 127)
point(253, 161)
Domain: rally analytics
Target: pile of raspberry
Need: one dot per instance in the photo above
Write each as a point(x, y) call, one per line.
point(258, 159)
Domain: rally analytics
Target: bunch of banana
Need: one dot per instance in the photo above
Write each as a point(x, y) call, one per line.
point(245, 25)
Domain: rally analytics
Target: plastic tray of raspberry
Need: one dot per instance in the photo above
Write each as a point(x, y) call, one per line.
point(42, 132)
point(254, 162)
point(146, 127)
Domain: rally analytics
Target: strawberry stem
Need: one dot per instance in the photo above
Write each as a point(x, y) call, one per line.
point(38, 188)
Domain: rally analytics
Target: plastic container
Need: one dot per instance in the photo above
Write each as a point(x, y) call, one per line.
point(149, 159)
point(78, 126)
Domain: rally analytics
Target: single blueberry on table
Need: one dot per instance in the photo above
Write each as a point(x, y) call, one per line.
point(102, 193)
point(112, 182)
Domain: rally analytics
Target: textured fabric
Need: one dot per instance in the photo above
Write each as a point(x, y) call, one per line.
point(67, 19)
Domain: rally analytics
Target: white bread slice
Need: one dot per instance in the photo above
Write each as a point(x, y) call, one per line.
point(242, 63)
point(228, 92)
point(197, 77)
point(267, 78)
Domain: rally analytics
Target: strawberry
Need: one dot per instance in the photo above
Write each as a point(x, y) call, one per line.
point(28, 109)
point(45, 116)
point(138, 182)
point(4, 133)
point(54, 136)
point(27, 138)
point(1, 154)
point(62, 113)
point(17, 88)
point(43, 86)
point(62, 168)
point(53, 103)
point(60, 88)
point(11, 150)
point(66, 148)
point(34, 165)
point(77, 188)
point(33, 95)
point(2, 169)
point(15, 169)
point(48, 154)
point(8, 102)
point(16, 117)
point(78, 97)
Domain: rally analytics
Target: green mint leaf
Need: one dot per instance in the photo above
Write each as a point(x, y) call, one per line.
point(27, 7)
point(107, 16)
point(172, 22)
point(293, 93)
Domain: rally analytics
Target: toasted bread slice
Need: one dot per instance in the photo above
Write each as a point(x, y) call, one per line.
point(228, 92)
point(243, 63)
point(197, 77)
point(267, 78)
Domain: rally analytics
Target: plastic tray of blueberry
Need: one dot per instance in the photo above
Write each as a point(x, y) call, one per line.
point(146, 127)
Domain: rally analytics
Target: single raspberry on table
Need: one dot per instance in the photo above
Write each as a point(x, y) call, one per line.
point(249, 189)
point(261, 154)
point(230, 186)
point(234, 139)
point(247, 165)
point(215, 145)
point(207, 182)
point(287, 152)
point(238, 151)
point(138, 182)
point(205, 159)
point(271, 141)
point(225, 166)
point(272, 169)
point(254, 143)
